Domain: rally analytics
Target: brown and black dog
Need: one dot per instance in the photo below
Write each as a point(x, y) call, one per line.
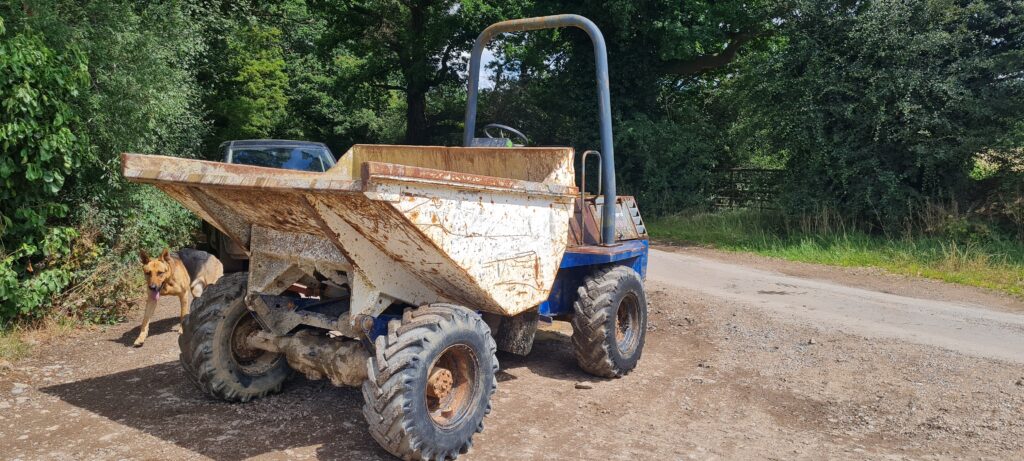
point(184, 275)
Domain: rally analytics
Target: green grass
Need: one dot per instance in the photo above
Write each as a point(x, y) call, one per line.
point(995, 263)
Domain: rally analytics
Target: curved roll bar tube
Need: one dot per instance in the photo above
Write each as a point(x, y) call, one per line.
point(604, 100)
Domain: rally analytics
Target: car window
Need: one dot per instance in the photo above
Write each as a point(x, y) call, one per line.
point(289, 158)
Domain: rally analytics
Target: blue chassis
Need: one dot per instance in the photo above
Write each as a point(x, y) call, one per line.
point(576, 264)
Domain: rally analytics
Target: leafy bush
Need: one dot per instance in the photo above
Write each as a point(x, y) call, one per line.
point(143, 219)
point(81, 83)
point(41, 145)
point(664, 163)
point(1000, 189)
point(878, 107)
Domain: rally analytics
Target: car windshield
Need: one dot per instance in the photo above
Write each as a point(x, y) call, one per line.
point(289, 158)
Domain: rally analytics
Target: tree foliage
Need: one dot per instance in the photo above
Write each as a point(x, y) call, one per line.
point(877, 107)
point(42, 143)
point(873, 108)
point(88, 81)
point(666, 61)
point(252, 102)
point(410, 47)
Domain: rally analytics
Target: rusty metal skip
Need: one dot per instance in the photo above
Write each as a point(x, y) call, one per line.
point(425, 260)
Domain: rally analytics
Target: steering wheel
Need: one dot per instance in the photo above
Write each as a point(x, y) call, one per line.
point(502, 130)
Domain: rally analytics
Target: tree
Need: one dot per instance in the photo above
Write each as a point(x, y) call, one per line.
point(653, 45)
point(327, 100)
point(410, 46)
point(667, 60)
point(877, 107)
point(91, 80)
point(252, 101)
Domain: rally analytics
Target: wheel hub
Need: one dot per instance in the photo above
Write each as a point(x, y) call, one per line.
point(627, 319)
point(439, 385)
point(452, 385)
point(240, 341)
point(250, 360)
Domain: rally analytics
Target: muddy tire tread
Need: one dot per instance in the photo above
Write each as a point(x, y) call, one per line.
point(199, 338)
point(590, 324)
point(387, 391)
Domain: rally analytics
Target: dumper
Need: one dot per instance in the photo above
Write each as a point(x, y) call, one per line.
point(417, 264)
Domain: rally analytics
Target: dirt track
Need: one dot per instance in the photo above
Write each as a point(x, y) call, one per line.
point(724, 375)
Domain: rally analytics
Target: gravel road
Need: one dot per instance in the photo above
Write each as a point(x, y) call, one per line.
point(961, 326)
point(746, 358)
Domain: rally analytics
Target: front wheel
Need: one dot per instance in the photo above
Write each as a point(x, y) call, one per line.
point(214, 345)
point(430, 383)
point(610, 322)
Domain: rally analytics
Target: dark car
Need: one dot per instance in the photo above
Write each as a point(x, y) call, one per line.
point(271, 153)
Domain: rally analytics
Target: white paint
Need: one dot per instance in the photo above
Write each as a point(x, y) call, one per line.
point(374, 273)
point(507, 244)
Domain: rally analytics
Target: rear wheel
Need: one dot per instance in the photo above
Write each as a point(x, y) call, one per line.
point(610, 322)
point(230, 263)
point(214, 345)
point(430, 383)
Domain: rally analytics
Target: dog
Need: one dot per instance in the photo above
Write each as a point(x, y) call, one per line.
point(185, 275)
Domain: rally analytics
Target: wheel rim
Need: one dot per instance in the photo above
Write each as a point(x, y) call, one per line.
point(250, 361)
point(627, 324)
point(452, 385)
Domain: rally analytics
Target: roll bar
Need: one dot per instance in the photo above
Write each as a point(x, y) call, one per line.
point(604, 100)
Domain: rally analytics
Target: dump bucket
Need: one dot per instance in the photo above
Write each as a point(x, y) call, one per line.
point(485, 228)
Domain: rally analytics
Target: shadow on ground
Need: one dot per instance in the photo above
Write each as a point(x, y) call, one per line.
point(160, 400)
point(159, 327)
point(551, 357)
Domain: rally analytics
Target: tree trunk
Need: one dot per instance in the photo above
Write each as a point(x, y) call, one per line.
point(416, 116)
point(416, 79)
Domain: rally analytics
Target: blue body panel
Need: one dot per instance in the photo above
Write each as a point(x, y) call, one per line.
point(578, 264)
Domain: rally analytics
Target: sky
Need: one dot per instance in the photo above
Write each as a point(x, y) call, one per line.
point(487, 75)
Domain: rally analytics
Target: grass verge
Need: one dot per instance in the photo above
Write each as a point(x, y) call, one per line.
point(16, 342)
point(995, 263)
point(12, 345)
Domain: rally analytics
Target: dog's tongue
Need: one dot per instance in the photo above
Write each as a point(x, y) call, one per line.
point(154, 294)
